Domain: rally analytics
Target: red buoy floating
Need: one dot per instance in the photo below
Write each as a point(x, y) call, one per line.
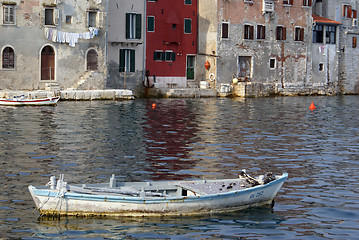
point(153, 105)
point(312, 106)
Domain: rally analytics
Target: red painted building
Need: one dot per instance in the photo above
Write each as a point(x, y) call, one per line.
point(171, 42)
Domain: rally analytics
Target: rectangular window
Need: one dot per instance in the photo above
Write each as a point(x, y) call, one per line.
point(8, 58)
point(68, 18)
point(307, 3)
point(248, 32)
point(133, 26)
point(281, 33)
point(170, 56)
point(330, 34)
point(190, 67)
point(188, 2)
point(299, 34)
point(347, 11)
point(288, 2)
point(261, 32)
point(321, 67)
point(50, 16)
point(225, 28)
point(354, 44)
point(91, 18)
point(8, 14)
point(272, 63)
point(244, 67)
point(127, 60)
point(187, 25)
point(150, 24)
point(318, 33)
point(158, 55)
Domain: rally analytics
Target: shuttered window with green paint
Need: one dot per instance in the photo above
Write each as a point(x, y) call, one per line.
point(127, 60)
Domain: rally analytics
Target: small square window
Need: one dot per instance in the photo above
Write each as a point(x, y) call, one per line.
point(68, 18)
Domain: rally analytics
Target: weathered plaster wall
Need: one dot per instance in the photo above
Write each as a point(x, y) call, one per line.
point(291, 56)
point(27, 38)
point(207, 39)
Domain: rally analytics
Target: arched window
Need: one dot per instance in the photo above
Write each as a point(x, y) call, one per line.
point(91, 60)
point(8, 58)
point(47, 63)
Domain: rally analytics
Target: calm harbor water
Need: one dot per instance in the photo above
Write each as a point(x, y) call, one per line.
point(187, 139)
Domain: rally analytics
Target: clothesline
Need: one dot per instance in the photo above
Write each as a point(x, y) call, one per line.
point(68, 37)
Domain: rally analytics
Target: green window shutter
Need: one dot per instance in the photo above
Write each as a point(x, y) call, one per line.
point(132, 61)
point(138, 26)
point(150, 24)
point(122, 60)
point(173, 56)
point(187, 26)
point(163, 56)
point(128, 29)
point(154, 56)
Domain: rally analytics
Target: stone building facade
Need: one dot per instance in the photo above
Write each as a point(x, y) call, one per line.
point(126, 44)
point(52, 44)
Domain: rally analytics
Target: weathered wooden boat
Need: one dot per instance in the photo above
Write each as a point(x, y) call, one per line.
point(22, 101)
point(158, 198)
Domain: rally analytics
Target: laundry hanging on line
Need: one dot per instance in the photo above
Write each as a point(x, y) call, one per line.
point(68, 37)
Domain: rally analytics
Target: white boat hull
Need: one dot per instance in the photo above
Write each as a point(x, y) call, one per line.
point(53, 202)
point(30, 102)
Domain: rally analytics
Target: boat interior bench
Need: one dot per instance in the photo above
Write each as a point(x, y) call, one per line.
point(161, 189)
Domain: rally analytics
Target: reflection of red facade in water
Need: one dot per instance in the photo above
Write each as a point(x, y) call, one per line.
point(169, 131)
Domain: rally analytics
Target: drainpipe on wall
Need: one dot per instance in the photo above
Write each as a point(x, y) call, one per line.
point(106, 29)
point(144, 43)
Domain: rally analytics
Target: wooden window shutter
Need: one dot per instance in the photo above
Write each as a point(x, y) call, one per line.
point(132, 60)
point(173, 56)
point(349, 13)
point(301, 34)
point(100, 19)
point(284, 34)
point(354, 13)
point(128, 28)
point(122, 60)
point(251, 32)
point(138, 26)
point(56, 16)
point(354, 42)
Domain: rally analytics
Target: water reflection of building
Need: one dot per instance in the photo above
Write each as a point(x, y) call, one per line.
point(169, 130)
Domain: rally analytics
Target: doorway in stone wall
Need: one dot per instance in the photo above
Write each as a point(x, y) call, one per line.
point(48, 63)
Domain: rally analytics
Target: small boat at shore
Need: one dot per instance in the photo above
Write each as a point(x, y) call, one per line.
point(22, 101)
point(157, 198)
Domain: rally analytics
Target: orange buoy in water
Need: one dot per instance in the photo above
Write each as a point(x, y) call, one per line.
point(153, 105)
point(312, 107)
